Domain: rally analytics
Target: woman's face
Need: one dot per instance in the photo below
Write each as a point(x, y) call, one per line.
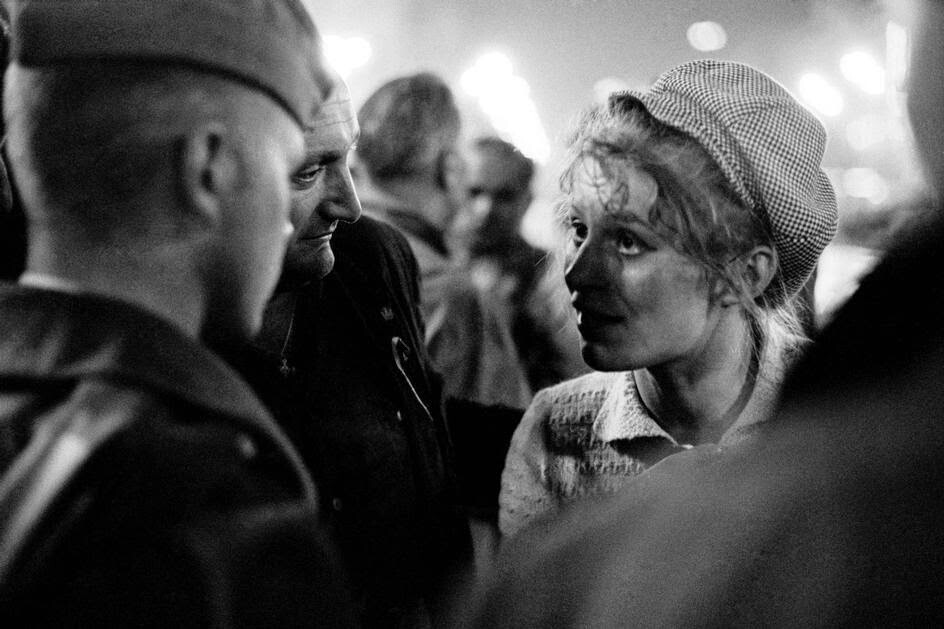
point(639, 302)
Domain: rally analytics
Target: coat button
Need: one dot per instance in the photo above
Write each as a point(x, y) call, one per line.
point(246, 446)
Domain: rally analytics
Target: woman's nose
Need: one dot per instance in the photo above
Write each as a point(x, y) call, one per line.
point(585, 266)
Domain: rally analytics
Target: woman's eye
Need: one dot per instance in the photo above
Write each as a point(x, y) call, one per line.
point(629, 245)
point(578, 231)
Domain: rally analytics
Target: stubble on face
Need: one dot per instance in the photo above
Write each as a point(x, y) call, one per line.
point(323, 191)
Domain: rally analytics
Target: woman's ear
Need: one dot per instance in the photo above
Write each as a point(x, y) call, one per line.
point(756, 269)
point(205, 171)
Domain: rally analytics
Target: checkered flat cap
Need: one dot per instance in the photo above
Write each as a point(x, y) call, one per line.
point(768, 146)
point(270, 45)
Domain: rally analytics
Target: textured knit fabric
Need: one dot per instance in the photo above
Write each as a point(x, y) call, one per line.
point(593, 435)
point(767, 145)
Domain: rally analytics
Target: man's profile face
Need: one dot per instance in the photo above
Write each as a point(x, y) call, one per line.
point(322, 188)
point(497, 201)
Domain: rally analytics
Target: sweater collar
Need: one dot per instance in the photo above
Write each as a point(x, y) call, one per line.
point(624, 416)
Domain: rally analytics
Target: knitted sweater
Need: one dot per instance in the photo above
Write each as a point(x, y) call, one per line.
point(593, 434)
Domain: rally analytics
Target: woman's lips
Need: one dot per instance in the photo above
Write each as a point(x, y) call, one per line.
point(589, 321)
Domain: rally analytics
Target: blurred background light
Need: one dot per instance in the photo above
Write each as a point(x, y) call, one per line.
point(865, 183)
point(505, 99)
point(819, 94)
point(346, 54)
point(707, 36)
point(897, 54)
point(866, 131)
point(862, 70)
point(557, 61)
point(606, 86)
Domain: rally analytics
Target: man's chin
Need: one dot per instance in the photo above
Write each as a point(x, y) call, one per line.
point(302, 265)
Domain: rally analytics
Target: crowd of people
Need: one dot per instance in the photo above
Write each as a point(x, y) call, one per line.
point(270, 361)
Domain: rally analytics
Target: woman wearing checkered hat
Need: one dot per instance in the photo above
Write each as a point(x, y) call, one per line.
point(695, 212)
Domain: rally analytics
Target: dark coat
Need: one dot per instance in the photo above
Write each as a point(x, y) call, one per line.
point(143, 484)
point(343, 365)
point(829, 516)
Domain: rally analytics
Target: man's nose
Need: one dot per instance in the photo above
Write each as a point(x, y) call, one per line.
point(344, 205)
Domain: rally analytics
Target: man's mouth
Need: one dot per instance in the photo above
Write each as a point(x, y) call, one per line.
point(324, 236)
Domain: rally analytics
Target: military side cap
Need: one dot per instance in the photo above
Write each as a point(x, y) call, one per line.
point(271, 45)
point(769, 147)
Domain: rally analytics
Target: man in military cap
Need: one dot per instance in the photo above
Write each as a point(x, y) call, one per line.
point(142, 482)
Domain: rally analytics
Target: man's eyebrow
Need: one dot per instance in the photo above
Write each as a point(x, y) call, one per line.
point(324, 156)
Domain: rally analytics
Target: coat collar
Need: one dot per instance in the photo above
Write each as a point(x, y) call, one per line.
point(52, 334)
point(623, 415)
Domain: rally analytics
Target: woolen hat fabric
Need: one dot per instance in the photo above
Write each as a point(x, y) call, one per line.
point(768, 146)
point(271, 45)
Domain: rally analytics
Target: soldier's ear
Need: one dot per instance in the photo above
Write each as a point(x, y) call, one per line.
point(205, 171)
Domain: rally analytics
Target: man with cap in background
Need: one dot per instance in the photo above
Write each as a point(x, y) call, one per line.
point(414, 180)
point(142, 482)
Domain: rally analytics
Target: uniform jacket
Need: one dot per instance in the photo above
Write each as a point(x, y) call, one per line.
point(143, 484)
point(343, 365)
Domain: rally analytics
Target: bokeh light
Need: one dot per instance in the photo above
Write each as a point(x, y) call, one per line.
point(707, 36)
point(606, 86)
point(862, 70)
point(819, 94)
point(866, 132)
point(897, 53)
point(505, 99)
point(346, 54)
point(865, 183)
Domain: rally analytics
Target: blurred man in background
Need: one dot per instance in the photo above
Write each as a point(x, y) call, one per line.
point(509, 268)
point(143, 483)
point(414, 180)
